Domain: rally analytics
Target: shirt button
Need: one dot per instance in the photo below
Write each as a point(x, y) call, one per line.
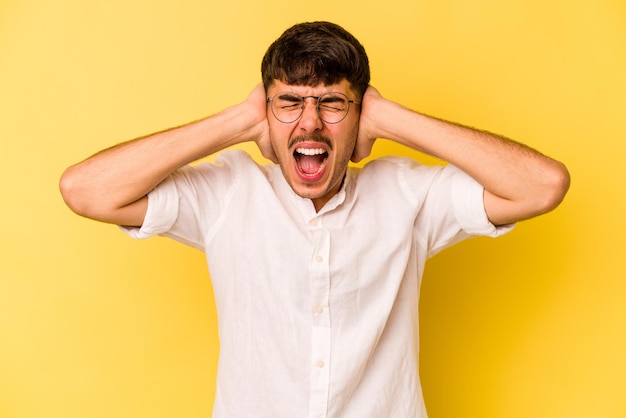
point(319, 309)
point(320, 364)
point(319, 258)
point(313, 222)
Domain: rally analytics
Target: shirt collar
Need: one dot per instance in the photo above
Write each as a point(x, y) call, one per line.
point(307, 209)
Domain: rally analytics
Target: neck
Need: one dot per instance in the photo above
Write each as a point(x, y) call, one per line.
point(320, 202)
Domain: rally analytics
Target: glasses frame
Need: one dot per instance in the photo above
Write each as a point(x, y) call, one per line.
point(269, 100)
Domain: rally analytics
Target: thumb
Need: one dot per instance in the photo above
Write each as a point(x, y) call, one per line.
point(268, 152)
point(265, 145)
point(362, 149)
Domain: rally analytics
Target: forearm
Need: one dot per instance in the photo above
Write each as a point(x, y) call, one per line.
point(106, 185)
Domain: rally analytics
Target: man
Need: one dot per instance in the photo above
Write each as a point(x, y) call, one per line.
point(315, 265)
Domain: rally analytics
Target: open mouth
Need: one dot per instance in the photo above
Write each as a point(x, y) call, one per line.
point(310, 161)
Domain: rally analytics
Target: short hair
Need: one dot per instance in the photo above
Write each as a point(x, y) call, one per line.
point(314, 53)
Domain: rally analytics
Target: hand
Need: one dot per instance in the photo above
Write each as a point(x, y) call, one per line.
point(258, 106)
point(367, 134)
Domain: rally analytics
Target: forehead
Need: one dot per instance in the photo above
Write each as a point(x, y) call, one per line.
point(279, 87)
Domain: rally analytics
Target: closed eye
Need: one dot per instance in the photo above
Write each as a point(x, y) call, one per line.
point(335, 103)
point(288, 101)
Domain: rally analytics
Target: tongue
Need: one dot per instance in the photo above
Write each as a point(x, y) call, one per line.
point(310, 164)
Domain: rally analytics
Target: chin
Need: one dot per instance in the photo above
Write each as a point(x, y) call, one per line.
point(309, 192)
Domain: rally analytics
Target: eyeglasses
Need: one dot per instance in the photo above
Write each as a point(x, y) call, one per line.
point(331, 107)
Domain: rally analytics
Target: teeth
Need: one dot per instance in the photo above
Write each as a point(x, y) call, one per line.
point(310, 151)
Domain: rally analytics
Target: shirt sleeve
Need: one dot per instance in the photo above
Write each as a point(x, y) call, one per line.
point(469, 207)
point(449, 205)
point(161, 214)
point(191, 200)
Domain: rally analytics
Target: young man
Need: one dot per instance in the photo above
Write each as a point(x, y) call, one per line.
point(316, 266)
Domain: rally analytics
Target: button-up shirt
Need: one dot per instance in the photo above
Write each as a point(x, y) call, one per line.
point(317, 311)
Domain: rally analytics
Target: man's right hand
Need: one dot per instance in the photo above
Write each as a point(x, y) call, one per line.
point(257, 103)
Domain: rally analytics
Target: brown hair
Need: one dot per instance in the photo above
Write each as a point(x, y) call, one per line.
point(316, 53)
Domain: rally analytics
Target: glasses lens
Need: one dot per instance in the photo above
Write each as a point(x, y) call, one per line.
point(333, 107)
point(287, 107)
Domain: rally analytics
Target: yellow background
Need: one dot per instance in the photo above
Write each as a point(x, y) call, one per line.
point(94, 324)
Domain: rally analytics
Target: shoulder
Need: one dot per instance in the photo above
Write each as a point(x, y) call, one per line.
point(398, 169)
point(229, 164)
point(235, 158)
point(227, 172)
point(407, 176)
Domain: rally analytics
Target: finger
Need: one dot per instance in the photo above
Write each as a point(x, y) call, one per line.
point(362, 150)
point(267, 150)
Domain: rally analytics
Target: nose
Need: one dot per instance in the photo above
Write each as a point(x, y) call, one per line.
point(310, 120)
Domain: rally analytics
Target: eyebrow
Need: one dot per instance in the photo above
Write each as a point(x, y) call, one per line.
point(289, 95)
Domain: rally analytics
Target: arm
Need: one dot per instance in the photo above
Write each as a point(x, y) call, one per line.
point(112, 185)
point(519, 182)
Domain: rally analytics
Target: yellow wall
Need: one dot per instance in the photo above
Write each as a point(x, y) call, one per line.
point(94, 324)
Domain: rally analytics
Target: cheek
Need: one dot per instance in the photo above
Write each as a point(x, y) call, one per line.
point(351, 137)
point(276, 134)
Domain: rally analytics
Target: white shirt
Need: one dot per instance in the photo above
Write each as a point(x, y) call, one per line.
point(317, 312)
